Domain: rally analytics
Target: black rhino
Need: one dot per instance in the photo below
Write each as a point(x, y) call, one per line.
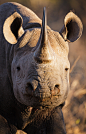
point(34, 70)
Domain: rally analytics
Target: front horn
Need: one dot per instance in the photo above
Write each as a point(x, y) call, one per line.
point(43, 52)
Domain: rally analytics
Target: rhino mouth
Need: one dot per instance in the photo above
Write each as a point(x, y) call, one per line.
point(43, 93)
point(43, 99)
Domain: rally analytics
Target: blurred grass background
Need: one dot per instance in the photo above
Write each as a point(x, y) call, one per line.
point(75, 108)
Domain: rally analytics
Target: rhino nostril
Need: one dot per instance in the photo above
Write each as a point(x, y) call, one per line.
point(29, 89)
point(55, 91)
point(29, 86)
point(57, 88)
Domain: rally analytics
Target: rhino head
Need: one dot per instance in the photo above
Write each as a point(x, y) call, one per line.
point(39, 59)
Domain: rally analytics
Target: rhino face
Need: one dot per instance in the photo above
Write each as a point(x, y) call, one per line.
point(37, 82)
point(40, 65)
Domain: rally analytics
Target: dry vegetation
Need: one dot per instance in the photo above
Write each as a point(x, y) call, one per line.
point(75, 108)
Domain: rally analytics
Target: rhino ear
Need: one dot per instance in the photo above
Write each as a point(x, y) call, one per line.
point(12, 28)
point(72, 29)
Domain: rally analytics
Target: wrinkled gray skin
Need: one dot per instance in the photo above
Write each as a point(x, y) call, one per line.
point(34, 70)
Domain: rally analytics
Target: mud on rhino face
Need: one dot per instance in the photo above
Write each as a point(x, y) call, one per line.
point(40, 65)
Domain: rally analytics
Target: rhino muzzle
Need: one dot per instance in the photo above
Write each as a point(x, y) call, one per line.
point(42, 91)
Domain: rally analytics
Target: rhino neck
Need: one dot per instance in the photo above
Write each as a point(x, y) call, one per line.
point(6, 94)
point(9, 58)
point(48, 121)
point(21, 115)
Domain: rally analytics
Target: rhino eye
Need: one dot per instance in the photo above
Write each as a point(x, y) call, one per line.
point(18, 68)
point(66, 69)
